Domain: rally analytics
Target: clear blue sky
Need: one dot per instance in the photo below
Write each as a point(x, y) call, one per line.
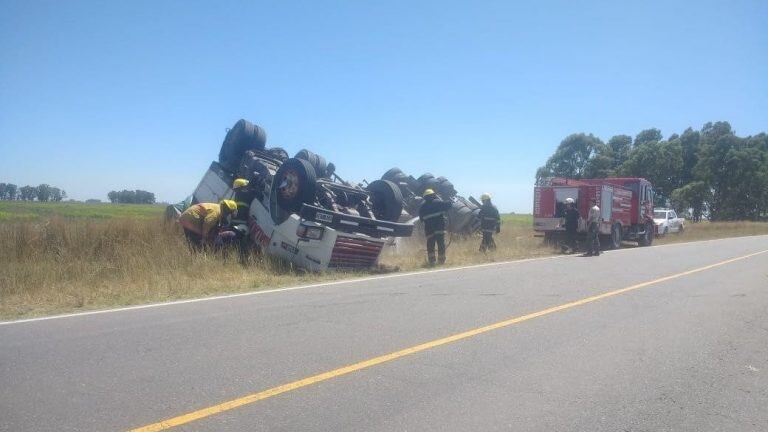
point(100, 95)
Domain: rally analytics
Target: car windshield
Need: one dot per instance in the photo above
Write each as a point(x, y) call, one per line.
point(659, 215)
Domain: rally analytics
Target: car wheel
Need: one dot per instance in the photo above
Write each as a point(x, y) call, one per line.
point(681, 229)
point(387, 200)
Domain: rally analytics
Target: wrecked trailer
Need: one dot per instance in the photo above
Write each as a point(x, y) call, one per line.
point(302, 210)
point(464, 215)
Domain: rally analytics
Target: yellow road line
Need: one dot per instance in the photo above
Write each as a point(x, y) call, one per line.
point(255, 397)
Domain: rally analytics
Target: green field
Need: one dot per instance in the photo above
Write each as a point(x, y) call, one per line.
point(515, 219)
point(24, 210)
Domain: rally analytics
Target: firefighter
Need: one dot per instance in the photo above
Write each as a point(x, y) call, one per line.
point(201, 220)
point(571, 217)
point(433, 214)
point(238, 232)
point(244, 195)
point(490, 222)
point(593, 225)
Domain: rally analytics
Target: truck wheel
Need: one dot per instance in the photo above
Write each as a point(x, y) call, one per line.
point(292, 186)
point(647, 238)
point(393, 174)
point(386, 199)
point(615, 242)
point(318, 162)
point(243, 136)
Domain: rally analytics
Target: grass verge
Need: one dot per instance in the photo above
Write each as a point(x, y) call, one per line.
point(67, 264)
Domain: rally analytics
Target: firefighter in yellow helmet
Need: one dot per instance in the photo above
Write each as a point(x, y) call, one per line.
point(244, 195)
point(201, 220)
point(433, 213)
point(490, 222)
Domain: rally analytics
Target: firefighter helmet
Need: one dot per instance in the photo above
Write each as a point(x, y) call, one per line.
point(228, 205)
point(485, 197)
point(428, 192)
point(569, 201)
point(239, 182)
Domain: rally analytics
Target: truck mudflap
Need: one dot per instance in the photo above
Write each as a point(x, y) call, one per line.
point(355, 224)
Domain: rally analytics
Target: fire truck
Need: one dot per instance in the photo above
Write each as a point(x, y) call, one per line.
point(626, 207)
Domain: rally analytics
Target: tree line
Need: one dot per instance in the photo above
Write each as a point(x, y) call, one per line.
point(711, 171)
point(131, 197)
point(43, 193)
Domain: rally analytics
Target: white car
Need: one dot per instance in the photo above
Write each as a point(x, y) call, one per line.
point(666, 221)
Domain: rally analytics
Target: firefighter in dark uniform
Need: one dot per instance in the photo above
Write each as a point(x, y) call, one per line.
point(490, 222)
point(244, 195)
point(571, 216)
point(433, 214)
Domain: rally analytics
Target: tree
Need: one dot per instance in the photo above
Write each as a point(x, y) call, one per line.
point(131, 197)
point(43, 192)
point(692, 196)
point(646, 136)
point(11, 191)
point(57, 194)
point(3, 190)
point(690, 143)
point(601, 165)
point(658, 162)
point(621, 148)
point(571, 157)
point(28, 193)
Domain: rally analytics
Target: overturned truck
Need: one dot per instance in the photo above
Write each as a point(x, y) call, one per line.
point(464, 215)
point(301, 209)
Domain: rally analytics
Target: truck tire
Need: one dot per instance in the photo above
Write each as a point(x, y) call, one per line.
point(647, 238)
point(292, 186)
point(615, 237)
point(386, 199)
point(318, 162)
point(463, 217)
point(445, 188)
point(393, 175)
point(243, 136)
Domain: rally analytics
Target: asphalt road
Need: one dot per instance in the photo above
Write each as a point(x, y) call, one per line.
point(681, 353)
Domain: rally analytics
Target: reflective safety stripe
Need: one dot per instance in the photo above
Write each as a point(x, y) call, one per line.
point(430, 216)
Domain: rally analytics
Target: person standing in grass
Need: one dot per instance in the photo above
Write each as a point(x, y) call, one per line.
point(200, 220)
point(490, 222)
point(433, 214)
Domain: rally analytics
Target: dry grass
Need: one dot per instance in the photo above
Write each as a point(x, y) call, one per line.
point(515, 241)
point(714, 230)
point(59, 265)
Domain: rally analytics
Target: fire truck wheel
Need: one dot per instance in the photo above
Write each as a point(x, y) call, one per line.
point(292, 186)
point(387, 200)
point(647, 239)
point(614, 240)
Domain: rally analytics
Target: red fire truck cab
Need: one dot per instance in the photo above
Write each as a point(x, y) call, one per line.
point(626, 207)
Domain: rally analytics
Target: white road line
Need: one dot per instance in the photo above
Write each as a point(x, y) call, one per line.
point(332, 283)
